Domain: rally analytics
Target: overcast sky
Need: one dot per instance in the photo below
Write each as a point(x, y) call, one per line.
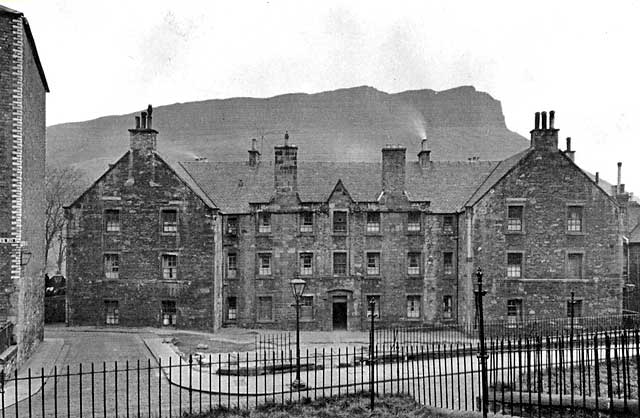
point(577, 58)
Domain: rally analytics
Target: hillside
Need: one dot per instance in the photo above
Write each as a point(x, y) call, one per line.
point(344, 125)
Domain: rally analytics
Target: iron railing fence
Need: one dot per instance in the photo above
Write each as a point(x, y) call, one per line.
point(527, 328)
point(6, 336)
point(273, 341)
point(542, 376)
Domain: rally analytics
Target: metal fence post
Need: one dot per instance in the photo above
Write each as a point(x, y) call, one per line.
point(483, 349)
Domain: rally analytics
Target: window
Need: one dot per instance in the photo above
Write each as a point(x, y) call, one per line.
point(112, 265)
point(112, 220)
point(306, 222)
point(306, 264)
point(232, 225)
point(112, 313)
point(413, 263)
point(574, 266)
point(447, 224)
point(514, 265)
point(373, 222)
point(340, 263)
point(264, 264)
point(514, 311)
point(169, 312)
point(232, 308)
point(376, 309)
point(265, 308)
point(169, 266)
point(169, 221)
point(447, 307)
point(264, 222)
point(232, 265)
point(514, 218)
point(306, 308)
point(447, 263)
point(340, 221)
point(373, 264)
point(577, 308)
point(574, 219)
point(413, 307)
point(413, 222)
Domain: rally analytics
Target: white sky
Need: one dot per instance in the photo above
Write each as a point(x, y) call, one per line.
point(578, 58)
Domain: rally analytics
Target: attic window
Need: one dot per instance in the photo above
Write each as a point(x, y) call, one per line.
point(447, 224)
point(340, 221)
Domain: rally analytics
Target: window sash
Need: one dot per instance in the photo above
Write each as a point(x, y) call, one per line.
point(169, 266)
point(169, 220)
point(340, 264)
point(413, 306)
point(306, 264)
point(112, 313)
point(112, 266)
point(306, 222)
point(232, 308)
point(574, 219)
point(112, 220)
point(574, 266)
point(447, 263)
point(447, 307)
point(514, 218)
point(514, 265)
point(232, 226)
point(306, 308)
point(413, 265)
point(264, 223)
point(339, 221)
point(264, 268)
point(373, 264)
point(413, 222)
point(169, 312)
point(373, 221)
point(514, 310)
point(232, 265)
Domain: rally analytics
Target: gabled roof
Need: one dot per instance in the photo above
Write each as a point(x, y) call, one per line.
point(235, 185)
point(177, 170)
point(27, 29)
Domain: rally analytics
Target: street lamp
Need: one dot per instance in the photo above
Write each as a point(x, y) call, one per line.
point(297, 288)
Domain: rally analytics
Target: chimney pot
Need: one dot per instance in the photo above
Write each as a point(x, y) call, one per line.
point(253, 144)
point(137, 122)
point(286, 138)
point(619, 174)
point(544, 120)
point(144, 120)
point(552, 117)
point(537, 121)
point(424, 144)
point(569, 143)
point(597, 177)
point(149, 112)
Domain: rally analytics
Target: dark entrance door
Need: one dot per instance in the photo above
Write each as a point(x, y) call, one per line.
point(339, 312)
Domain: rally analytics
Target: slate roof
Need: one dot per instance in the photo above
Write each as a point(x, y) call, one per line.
point(234, 185)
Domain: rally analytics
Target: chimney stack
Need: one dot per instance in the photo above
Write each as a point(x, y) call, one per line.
point(569, 152)
point(142, 137)
point(285, 168)
point(424, 156)
point(597, 177)
point(619, 176)
point(393, 169)
point(254, 154)
point(543, 138)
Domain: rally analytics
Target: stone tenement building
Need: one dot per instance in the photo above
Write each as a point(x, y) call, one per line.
point(408, 233)
point(22, 160)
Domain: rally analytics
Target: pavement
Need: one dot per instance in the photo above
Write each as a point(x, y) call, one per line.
point(40, 364)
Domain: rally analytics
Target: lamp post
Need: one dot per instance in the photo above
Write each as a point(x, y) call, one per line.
point(480, 293)
point(297, 288)
point(372, 314)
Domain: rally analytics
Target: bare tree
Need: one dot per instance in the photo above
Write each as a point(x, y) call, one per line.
point(63, 184)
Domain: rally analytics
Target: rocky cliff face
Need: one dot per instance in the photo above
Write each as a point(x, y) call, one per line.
point(344, 125)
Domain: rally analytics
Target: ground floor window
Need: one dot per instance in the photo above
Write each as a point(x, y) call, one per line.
point(514, 311)
point(169, 312)
point(306, 308)
point(112, 313)
point(232, 308)
point(265, 308)
point(413, 307)
point(447, 307)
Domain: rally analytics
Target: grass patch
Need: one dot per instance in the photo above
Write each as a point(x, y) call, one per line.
point(353, 406)
point(188, 345)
